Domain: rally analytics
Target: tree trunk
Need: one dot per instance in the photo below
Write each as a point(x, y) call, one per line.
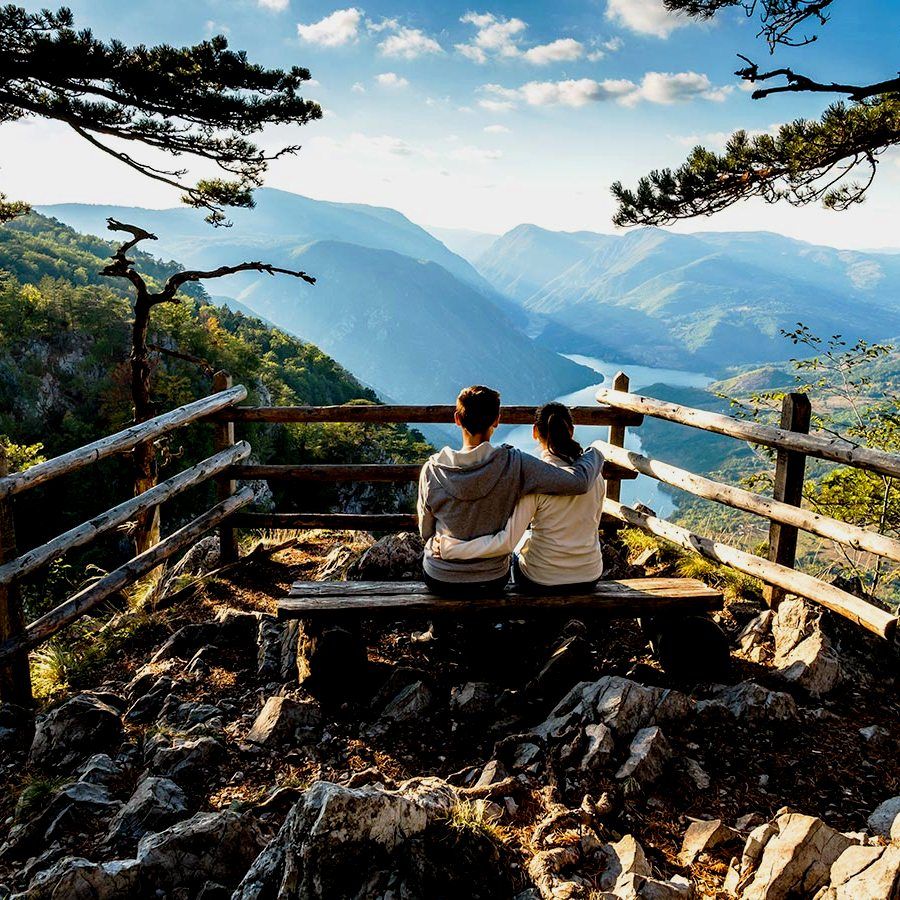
point(146, 532)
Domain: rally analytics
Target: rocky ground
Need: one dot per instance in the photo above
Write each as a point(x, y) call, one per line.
point(471, 760)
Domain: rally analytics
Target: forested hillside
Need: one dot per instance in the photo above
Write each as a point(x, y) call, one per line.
point(64, 343)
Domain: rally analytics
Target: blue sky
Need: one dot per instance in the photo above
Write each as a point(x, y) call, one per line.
point(489, 115)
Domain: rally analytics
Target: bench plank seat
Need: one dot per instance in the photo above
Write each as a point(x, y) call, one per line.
point(625, 598)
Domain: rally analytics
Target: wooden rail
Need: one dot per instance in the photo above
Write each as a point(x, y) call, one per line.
point(419, 415)
point(127, 439)
point(857, 610)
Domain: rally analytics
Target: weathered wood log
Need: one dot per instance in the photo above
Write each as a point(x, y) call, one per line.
point(119, 442)
point(333, 521)
point(509, 415)
point(617, 437)
point(790, 469)
point(774, 510)
point(124, 512)
point(84, 601)
point(225, 486)
point(857, 610)
point(15, 674)
point(634, 597)
point(368, 472)
point(821, 446)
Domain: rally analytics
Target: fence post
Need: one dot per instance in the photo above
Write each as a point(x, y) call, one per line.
point(15, 675)
point(225, 486)
point(621, 382)
point(790, 468)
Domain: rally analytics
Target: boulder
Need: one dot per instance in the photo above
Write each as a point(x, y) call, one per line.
point(207, 847)
point(791, 856)
point(332, 824)
point(620, 703)
point(82, 725)
point(155, 804)
point(189, 759)
point(753, 639)
point(75, 878)
point(281, 718)
point(624, 858)
point(200, 559)
point(599, 749)
point(703, 836)
point(803, 652)
point(148, 693)
point(472, 699)
point(184, 716)
point(885, 821)
point(696, 773)
point(396, 557)
point(276, 642)
point(648, 754)
point(752, 703)
point(410, 704)
point(865, 872)
point(101, 770)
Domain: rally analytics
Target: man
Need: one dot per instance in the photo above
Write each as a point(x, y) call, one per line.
point(470, 492)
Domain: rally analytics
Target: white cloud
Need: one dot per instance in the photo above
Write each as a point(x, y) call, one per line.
point(655, 87)
point(341, 27)
point(716, 140)
point(474, 154)
point(644, 16)
point(613, 45)
point(575, 92)
point(212, 28)
point(383, 25)
point(562, 50)
point(358, 87)
point(409, 43)
point(391, 80)
point(274, 5)
point(383, 145)
point(495, 37)
point(496, 129)
point(666, 88)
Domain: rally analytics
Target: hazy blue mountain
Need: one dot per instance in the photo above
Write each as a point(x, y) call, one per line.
point(392, 303)
point(281, 221)
point(706, 301)
point(467, 244)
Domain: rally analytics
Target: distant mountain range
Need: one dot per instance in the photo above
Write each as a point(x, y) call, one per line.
point(392, 304)
point(707, 301)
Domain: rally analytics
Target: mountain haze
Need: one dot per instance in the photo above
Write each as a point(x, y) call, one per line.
point(392, 303)
point(705, 301)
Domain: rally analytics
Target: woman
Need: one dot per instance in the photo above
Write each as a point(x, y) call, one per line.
point(561, 553)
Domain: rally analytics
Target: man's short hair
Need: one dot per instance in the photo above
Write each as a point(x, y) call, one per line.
point(478, 408)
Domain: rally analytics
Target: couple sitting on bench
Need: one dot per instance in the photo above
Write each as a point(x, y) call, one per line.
point(476, 504)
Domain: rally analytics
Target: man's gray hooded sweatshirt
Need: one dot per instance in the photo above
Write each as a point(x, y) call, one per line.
point(470, 493)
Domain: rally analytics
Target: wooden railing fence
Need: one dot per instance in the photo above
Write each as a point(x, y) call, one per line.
point(619, 410)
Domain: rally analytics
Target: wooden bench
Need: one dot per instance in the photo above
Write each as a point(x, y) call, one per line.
point(636, 597)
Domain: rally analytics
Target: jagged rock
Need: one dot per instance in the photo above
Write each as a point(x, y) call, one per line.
point(212, 890)
point(269, 639)
point(876, 736)
point(80, 726)
point(308, 858)
point(865, 872)
point(885, 821)
point(703, 836)
point(188, 759)
point(803, 652)
point(75, 878)
point(524, 755)
point(101, 770)
point(791, 856)
point(339, 560)
point(622, 704)
point(396, 557)
point(155, 804)
point(696, 773)
point(280, 720)
point(600, 746)
point(149, 693)
point(752, 703)
point(76, 807)
point(623, 858)
point(206, 847)
point(649, 752)
point(200, 559)
point(186, 715)
point(753, 638)
point(493, 772)
point(472, 699)
point(409, 704)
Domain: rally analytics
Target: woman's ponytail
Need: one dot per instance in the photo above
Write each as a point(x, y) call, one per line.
point(555, 427)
